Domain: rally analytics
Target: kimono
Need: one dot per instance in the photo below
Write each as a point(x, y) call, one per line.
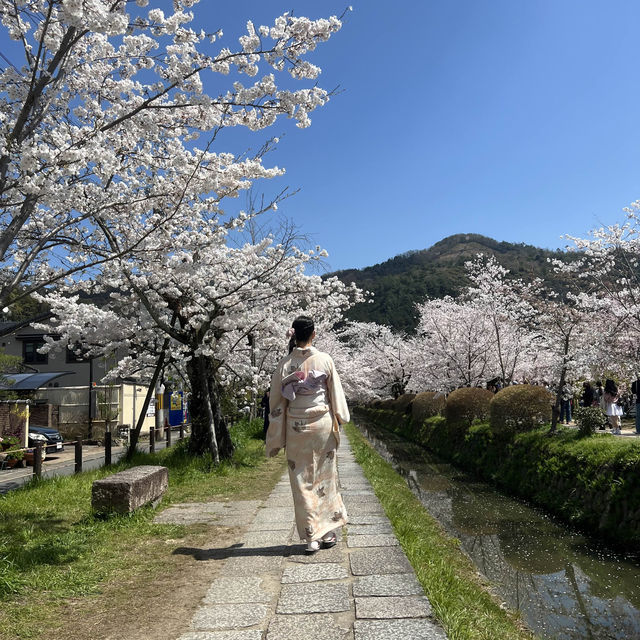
point(307, 407)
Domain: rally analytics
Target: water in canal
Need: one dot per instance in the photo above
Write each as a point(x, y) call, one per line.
point(567, 586)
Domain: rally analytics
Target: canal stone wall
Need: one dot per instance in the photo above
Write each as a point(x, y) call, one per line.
point(592, 482)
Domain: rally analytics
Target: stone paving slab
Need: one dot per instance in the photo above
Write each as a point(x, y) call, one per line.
point(267, 538)
point(238, 520)
point(361, 498)
point(230, 589)
point(252, 565)
point(368, 518)
point(365, 508)
point(421, 629)
point(313, 598)
point(245, 634)
point(314, 572)
point(335, 554)
point(369, 529)
point(269, 526)
point(357, 492)
point(378, 540)
point(380, 560)
point(280, 514)
point(307, 627)
point(398, 584)
point(183, 516)
point(228, 616)
point(393, 607)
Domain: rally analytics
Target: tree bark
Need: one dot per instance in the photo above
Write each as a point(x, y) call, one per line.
point(203, 432)
point(225, 445)
point(555, 410)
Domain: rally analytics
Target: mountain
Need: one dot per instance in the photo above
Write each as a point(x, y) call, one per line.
point(412, 277)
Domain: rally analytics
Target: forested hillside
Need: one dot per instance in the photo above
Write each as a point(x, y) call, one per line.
point(436, 272)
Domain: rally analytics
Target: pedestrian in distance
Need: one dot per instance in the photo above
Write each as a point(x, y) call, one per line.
point(611, 407)
point(588, 396)
point(565, 403)
point(307, 407)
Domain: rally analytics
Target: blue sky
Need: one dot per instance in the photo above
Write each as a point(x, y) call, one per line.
point(518, 120)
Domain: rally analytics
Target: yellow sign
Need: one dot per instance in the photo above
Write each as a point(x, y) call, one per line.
point(176, 402)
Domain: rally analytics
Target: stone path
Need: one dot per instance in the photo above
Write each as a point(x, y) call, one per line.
point(362, 589)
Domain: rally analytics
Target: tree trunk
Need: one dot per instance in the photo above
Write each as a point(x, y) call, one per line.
point(223, 436)
point(555, 411)
point(203, 432)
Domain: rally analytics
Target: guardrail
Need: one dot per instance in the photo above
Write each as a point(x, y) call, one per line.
point(155, 435)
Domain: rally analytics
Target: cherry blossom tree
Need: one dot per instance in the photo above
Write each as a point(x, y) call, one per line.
point(201, 302)
point(111, 181)
point(373, 361)
point(507, 304)
point(456, 341)
point(607, 266)
point(102, 118)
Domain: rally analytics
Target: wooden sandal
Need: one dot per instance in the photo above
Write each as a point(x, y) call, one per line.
point(329, 542)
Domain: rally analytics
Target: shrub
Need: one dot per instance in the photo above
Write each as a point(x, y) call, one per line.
point(402, 404)
point(387, 403)
point(466, 405)
point(589, 419)
point(427, 404)
point(520, 408)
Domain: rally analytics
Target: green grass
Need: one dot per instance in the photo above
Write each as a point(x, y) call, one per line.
point(460, 598)
point(53, 549)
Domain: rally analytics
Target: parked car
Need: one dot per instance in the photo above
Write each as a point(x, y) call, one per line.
point(50, 438)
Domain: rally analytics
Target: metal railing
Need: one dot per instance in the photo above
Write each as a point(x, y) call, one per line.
point(155, 436)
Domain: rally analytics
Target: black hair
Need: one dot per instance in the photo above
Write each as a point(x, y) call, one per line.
point(610, 387)
point(303, 327)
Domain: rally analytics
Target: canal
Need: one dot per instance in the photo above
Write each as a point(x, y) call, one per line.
point(566, 585)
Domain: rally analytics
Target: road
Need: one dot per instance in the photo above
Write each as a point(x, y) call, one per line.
point(63, 464)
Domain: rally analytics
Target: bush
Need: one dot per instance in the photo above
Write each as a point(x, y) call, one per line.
point(589, 419)
point(402, 404)
point(387, 403)
point(466, 405)
point(520, 408)
point(427, 404)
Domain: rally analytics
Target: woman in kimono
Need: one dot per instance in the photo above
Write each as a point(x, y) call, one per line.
point(307, 407)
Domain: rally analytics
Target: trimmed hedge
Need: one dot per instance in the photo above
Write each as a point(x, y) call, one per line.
point(403, 403)
point(520, 408)
point(427, 404)
point(590, 482)
point(466, 405)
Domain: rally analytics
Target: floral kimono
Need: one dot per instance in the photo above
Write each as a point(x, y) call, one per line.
point(307, 406)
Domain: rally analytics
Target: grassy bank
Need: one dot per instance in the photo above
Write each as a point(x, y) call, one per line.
point(460, 598)
point(55, 556)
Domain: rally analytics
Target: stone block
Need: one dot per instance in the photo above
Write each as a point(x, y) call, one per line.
point(246, 634)
point(379, 560)
point(376, 540)
point(228, 616)
point(314, 598)
point(397, 584)
point(420, 629)
point(306, 627)
point(313, 572)
point(393, 607)
point(237, 589)
point(127, 490)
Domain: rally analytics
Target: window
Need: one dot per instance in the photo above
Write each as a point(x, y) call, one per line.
point(30, 353)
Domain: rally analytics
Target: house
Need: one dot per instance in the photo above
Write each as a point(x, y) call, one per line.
point(76, 401)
